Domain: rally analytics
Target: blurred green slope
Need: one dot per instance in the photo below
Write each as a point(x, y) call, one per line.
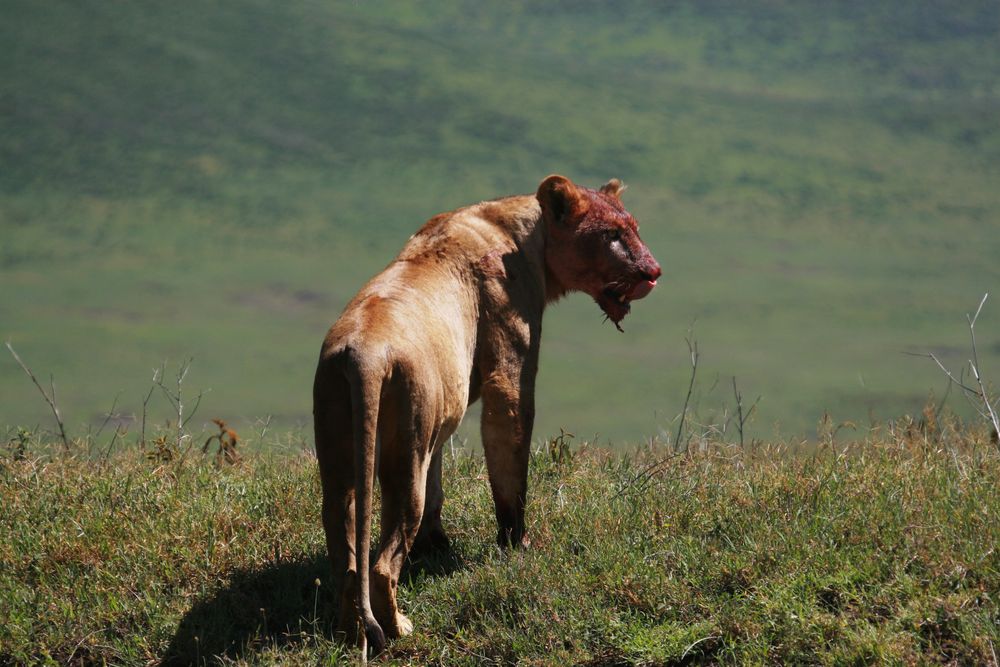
point(216, 179)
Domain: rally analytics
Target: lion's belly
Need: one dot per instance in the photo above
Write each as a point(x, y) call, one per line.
point(427, 324)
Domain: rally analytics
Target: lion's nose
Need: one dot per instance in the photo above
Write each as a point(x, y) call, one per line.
point(652, 272)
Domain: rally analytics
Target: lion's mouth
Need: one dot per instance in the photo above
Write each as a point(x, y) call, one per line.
point(616, 299)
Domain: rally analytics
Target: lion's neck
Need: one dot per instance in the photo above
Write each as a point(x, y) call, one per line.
point(520, 217)
point(530, 234)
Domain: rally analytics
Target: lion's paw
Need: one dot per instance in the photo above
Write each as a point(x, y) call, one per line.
point(404, 626)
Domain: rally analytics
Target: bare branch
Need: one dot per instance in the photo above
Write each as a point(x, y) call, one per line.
point(944, 399)
point(693, 350)
point(176, 400)
point(974, 363)
point(987, 409)
point(108, 416)
point(114, 438)
point(972, 320)
point(145, 403)
point(930, 355)
point(50, 400)
point(741, 418)
point(968, 396)
point(194, 410)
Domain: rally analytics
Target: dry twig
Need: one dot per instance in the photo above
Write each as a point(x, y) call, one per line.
point(741, 418)
point(176, 398)
point(51, 400)
point(988, 409)
point(693, 350)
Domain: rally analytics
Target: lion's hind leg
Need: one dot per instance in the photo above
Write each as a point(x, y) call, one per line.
point(403, 469)
point(335, 453)
point(338, 522)
point(431, 537)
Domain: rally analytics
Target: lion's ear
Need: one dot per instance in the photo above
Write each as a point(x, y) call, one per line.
point(614, 187)
point(561, 200)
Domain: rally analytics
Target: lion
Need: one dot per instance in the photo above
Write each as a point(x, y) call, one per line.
point(456, 317)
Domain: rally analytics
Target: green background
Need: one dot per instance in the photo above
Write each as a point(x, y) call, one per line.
point(820, 182)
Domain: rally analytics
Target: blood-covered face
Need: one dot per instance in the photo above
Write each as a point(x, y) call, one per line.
point(593, 245)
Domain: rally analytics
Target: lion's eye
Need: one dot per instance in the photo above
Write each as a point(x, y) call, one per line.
point(615, 235)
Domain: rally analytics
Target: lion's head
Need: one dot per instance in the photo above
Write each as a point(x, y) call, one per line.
point(593, 245)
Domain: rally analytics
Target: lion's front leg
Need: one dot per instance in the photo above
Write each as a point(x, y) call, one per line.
point(508, 416)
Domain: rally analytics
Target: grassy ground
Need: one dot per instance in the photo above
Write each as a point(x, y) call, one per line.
point(215, 180)
point(881, 549)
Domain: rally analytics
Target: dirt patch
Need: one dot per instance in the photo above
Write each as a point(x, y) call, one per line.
point(280, 299)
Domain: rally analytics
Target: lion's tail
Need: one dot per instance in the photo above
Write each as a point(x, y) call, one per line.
point(366, 390)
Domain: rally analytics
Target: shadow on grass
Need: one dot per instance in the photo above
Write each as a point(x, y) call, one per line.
point(279, 605)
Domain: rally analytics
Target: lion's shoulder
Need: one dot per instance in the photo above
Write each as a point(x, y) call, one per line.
point(466, 234)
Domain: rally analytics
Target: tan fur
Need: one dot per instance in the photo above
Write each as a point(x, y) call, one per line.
point(455, 317)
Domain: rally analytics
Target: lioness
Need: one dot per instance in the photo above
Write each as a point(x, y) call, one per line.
point(455, 317)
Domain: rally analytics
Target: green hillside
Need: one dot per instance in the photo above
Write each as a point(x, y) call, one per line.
point(215, 180)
